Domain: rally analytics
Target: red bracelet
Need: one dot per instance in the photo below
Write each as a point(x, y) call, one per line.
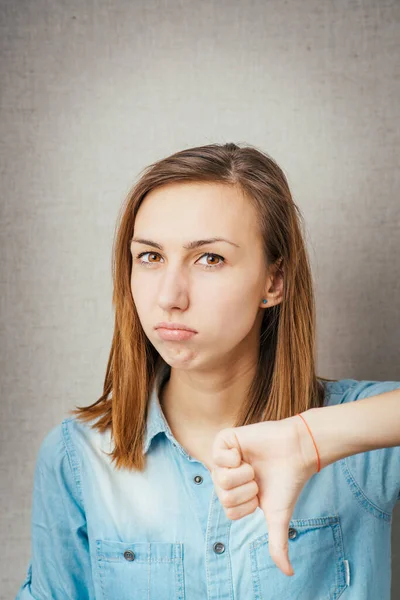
point(318, 458)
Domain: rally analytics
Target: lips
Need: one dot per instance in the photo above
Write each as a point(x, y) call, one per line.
point(179, 326)
point(175, 335)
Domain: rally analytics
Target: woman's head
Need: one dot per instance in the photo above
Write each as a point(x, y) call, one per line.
point(215, 288)
point(214, 191)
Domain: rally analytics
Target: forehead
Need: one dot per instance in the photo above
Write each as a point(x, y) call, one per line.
point(196, 205)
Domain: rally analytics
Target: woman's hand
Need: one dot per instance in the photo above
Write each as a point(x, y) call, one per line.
point(265, 464)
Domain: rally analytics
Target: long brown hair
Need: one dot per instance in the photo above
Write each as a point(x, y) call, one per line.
point(285, 383)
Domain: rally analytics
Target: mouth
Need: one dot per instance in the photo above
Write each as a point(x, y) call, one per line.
point(174, 327)
point(174, 334)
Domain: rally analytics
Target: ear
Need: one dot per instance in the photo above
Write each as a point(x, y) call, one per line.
point(273, 291)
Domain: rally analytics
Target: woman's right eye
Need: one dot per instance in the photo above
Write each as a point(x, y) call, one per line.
point(145, 262)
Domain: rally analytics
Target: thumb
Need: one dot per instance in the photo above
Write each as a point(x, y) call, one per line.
point(278, 544)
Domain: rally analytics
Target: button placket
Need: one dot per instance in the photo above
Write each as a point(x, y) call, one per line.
point(219, 568)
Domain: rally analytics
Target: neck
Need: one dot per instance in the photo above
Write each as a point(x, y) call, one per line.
point(206, 402)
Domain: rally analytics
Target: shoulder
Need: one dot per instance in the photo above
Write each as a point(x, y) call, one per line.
point(348, 390)
point(52, 448)
point(58, 442)
point(58, 460)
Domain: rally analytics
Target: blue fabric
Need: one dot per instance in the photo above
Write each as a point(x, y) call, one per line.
point(119, 535)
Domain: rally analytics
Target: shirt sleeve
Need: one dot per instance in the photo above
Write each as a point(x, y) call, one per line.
point(59, 567)
point(375, 473)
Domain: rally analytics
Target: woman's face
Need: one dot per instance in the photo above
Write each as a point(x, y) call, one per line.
point(216, 288)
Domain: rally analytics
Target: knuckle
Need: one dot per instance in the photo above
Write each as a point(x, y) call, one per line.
point(217, 459)
point(225, 481)
point(255, 487)
point(251, 471)
point(231, 513)
point(227, 499)
point(276, 550)
point(254, 505)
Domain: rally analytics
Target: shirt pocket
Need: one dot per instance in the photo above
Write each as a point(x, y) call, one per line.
point(316, 554)
point(137, 570)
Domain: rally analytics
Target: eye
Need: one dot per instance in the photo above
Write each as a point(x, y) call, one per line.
point(214, 266)
point(207, 254)
point(144, 262)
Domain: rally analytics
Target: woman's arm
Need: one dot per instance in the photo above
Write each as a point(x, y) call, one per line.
point(346, 429)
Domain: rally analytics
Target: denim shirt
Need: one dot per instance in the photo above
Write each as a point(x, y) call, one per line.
point(98, 533)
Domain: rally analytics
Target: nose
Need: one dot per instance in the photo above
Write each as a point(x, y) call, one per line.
point(173, 292)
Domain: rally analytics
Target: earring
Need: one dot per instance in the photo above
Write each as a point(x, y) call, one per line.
point(265, 301)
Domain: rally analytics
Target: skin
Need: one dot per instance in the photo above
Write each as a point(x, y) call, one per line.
point(210, 372)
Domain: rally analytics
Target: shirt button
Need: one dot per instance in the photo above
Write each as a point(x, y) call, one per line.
point(292, 533)
point(198, 479)
point(219, 548)
point(129, 555)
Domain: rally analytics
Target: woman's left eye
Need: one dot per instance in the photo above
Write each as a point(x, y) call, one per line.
point(207, 254)
point(214, 256)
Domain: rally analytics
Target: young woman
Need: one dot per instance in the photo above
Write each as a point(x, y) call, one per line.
point(216, 464)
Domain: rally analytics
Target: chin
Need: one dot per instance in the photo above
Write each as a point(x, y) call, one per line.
point(178, 357)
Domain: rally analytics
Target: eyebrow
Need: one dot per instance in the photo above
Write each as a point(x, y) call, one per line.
point(189, 246)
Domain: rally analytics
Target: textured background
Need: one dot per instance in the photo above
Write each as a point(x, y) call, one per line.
point(93, 91)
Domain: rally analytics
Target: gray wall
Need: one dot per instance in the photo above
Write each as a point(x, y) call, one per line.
point(93, 91)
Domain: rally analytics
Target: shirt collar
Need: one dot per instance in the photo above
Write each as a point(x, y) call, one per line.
point(156, 421)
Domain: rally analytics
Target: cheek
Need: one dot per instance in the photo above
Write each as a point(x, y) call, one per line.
point(141, 295)
point(230, 313)
point(229, 293)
